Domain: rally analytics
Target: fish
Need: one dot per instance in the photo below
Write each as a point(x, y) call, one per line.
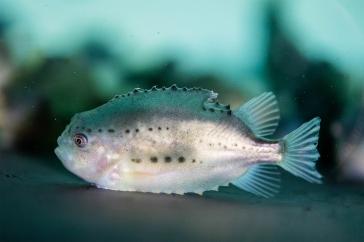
point(178, 140)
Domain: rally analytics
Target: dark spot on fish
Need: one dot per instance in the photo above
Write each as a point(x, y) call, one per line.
point(136, 160)
point(89, 130)
point(227, 106)
point(136, 130)
point(211, 110)
point(193, 161)
point(228, 112)
point(154, 159)
point(128, 94)
point(145, 90)
point(219, 143)
point(210, 144)
point(127, 131)
point(174, 87)
point(221, 111)
point(181, 159)
point(235, 145)
point(167, 128)
point(123, 95)
point(225, 147)
point(184, 89)
point(150, 129)
point(243, 147)
point(77, 127)
point(200, 140)
point(82, 128)
point(167, 159)
point(135, 90)
point(111, 130)
point(100, 130)
point(159, 128)
point(203, 108)
point(163, 88)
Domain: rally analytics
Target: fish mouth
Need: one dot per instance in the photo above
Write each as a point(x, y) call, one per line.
point(68, 163)
point(58, 152)
point(63, 157)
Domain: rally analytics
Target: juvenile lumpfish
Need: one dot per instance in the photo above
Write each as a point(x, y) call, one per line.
point(178, 140)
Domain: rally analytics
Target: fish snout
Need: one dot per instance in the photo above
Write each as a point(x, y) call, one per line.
point(59, 141)
point(62, 139)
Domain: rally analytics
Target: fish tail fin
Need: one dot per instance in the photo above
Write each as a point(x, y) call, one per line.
point(300, 151)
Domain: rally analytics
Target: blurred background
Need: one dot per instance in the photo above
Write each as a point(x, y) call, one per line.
point(61, 57)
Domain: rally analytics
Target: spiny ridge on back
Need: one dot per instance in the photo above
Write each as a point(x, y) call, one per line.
point(174, 87)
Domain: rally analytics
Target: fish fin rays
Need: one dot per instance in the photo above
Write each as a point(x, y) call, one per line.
point(262, 180)
point(260, 114)
point(300, 151)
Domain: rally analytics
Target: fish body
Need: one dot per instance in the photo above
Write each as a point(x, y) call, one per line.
point(179, 140)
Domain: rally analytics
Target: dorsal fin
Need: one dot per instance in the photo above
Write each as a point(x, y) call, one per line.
point(260, 114)
point(175, 97)
point(262, 180)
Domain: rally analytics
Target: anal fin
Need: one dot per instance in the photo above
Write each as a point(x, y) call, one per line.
point(262, 180)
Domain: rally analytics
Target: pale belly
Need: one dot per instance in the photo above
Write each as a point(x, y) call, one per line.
point(189, 156)
point(196, 177)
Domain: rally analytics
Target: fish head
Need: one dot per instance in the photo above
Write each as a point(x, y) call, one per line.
point(79, 148)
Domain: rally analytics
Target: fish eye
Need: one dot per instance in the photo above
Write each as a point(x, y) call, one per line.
point(80, 140)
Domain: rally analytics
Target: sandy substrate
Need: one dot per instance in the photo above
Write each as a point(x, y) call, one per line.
point(41, 201)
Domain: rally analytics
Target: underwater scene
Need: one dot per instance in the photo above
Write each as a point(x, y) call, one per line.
point(238, 120)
